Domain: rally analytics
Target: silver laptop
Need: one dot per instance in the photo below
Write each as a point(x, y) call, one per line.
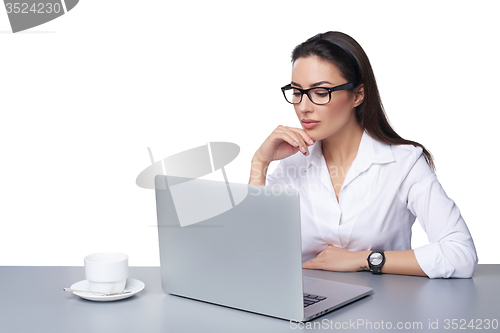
point(239, 246)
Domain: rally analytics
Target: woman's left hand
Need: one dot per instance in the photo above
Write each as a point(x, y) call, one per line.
point(336, 259)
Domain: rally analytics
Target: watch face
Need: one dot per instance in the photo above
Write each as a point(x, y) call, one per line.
point(376, 259)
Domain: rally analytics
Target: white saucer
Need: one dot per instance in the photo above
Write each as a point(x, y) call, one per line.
point(132, 285)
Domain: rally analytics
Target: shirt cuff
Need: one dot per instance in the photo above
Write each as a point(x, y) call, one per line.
point(431, 259)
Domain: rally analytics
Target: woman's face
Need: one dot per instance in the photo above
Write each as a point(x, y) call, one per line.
point(338, 113)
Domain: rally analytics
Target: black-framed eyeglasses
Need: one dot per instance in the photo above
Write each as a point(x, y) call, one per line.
point(319, 95)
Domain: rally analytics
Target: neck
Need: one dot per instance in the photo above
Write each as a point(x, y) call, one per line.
point(342, 147)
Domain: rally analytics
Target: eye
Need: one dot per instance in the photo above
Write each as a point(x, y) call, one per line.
point(296, 93)
point(321, 93)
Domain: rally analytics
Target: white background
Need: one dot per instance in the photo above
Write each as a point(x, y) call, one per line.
point(83, 96)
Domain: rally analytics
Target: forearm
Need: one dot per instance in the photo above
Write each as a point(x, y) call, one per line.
point(396, 262)
point(258, 172)
point(336, 259)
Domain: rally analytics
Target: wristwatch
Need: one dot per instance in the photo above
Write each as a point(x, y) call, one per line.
point(376, 260)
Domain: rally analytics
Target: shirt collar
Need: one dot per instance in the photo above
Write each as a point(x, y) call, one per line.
point(370, 151)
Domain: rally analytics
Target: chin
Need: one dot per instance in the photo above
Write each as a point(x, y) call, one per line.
point(315, 135)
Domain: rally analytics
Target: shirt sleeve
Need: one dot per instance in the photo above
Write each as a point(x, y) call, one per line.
point(451, 252)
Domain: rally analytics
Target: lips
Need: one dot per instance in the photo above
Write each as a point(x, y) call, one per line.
point(309, 123)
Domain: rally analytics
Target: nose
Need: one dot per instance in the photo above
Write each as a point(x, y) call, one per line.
point(305, 104)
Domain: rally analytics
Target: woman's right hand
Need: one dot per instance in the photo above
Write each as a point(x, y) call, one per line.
point(283, 142)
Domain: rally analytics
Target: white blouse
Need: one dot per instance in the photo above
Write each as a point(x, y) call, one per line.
point(385, 189)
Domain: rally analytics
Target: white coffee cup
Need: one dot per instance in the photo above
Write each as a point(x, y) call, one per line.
point(106, 272)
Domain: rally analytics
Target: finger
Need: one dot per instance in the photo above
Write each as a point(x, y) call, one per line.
point(307, 265)
point(300, 140)
point(279, 135)
point(306, 137)
point(311, 264)
point(290, 140)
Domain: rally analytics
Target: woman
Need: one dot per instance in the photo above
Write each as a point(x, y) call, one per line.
point(361, 185)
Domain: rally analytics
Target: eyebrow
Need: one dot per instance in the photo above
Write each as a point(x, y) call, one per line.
point(312, 85)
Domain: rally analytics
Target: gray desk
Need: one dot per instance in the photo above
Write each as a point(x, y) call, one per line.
point(32, 300)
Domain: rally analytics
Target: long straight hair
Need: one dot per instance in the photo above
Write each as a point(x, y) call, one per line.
point(348, 56)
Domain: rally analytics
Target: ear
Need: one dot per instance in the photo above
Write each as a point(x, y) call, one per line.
point(359, 95)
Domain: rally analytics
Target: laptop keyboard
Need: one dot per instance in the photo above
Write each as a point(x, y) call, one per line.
point(310, 299)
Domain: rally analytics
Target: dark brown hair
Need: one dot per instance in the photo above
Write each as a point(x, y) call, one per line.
point(348, 56)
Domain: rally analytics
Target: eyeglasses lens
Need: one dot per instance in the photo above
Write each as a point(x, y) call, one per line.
point(317, 96)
